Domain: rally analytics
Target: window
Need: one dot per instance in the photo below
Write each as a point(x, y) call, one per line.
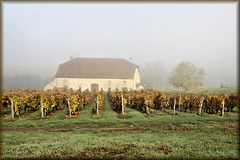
point(64, 82)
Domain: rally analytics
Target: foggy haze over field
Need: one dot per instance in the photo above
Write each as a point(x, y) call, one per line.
point(37, 37)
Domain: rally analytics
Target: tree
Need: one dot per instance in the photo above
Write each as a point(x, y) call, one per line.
point(187, 75)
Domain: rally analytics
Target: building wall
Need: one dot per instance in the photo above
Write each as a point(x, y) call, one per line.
point(136, 77)
point(84, 83)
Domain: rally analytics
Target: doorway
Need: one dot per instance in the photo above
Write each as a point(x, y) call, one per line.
point(94, 86)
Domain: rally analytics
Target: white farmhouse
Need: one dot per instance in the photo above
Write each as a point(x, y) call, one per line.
point(96, 73)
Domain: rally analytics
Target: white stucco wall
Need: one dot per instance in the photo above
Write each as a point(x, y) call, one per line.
point(136, 78)
point(84, 83)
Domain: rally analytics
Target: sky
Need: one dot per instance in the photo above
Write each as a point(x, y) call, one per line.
point(37, 37)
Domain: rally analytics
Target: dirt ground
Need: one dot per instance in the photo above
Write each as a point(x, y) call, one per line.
point(79, 129)
point(231, 126)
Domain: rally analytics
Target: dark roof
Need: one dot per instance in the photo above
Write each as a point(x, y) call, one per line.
point(112, 68)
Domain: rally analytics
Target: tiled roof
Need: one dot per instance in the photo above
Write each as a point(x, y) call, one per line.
point(112, 68)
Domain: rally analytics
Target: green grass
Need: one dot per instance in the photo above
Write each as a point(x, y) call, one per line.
point(158, 144)
point(109, 118)
point(115, 136)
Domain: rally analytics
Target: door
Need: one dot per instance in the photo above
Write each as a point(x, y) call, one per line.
point(94, 86)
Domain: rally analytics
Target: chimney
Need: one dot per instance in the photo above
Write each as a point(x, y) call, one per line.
point(130, 59)
point(71, 58)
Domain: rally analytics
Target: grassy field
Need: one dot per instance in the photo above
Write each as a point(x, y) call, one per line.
point(115, 136)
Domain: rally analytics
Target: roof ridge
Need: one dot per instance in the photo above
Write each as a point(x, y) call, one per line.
point(97, 58)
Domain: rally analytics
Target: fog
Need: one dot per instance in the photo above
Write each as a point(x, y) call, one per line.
point(37, 37)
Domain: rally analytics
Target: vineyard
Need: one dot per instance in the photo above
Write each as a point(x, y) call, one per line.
point(28, 101)
point(146, 124)
point(145, 101)
point(149, 100)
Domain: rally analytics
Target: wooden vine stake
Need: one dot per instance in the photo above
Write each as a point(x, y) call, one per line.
point(129, 99)
point(82, 101)
point(147, 109)
point(42, 107)
point(200, 109)
point(97, 104)
point(223, 109)
point(70, 113)
point(179, 102)
point(12, 108)
point(174, 106)
point(122, 105)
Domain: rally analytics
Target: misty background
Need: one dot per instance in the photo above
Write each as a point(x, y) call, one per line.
point(38, 37)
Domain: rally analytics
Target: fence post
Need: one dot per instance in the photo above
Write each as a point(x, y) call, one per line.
point(12, 108)
point(41, 107)
point(70, 113)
